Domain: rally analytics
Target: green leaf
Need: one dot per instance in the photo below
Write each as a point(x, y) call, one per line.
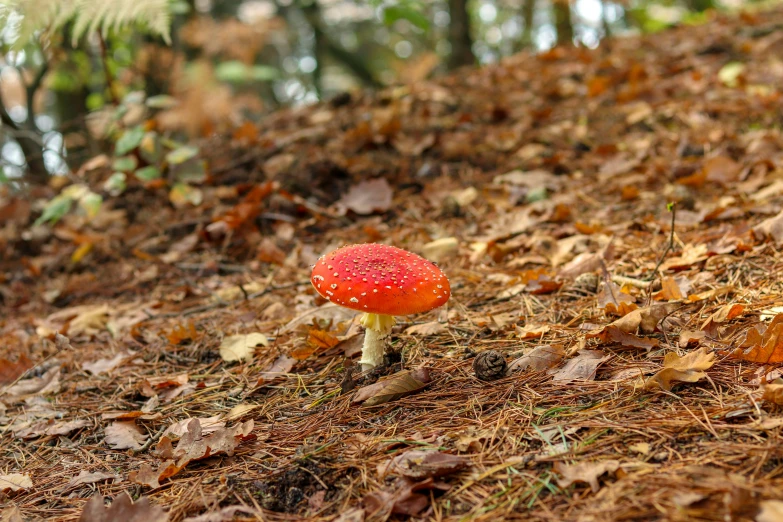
point(147, 173)
point(405, 12)
point(3, 177)
point(116, 184)
point(161, 101)
point(181, 154)
point(264, 73)
point(194, 171)
point(150, 147)
point(182, 194)
point(234, 71)
point(129, 140)
point(55, 209)
point(125, 163)
point(91, 204)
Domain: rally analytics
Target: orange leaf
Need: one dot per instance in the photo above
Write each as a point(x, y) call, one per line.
point(763, 347)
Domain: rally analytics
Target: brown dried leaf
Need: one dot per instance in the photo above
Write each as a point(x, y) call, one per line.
point(208, 425)
point(540, 358)
point(124, 435)
point(49, 382)
point(367, 197)
point(105, 365)
point(419, 464)
point(241, 347)
point(124, 509)
point(85, 477)
point(581, 367)
point(612, 334)
point(691, 337)
point(771, 511)
point(688, 368)
point(425, 329)
point(725, 313)
point(282, 365)
point(531, 331)
point(670, 290)
point(15, 482)
point(722, 169)
point(645, 319)
point(765, 346)
point(223, 515)
point(393, 387)
point(772, 227)
point(10, 371)
point(584, 472)
point(772, 393)
point(611, 298)
point(50, 428)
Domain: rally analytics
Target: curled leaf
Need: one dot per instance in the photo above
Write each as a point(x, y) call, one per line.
point(392, 388)
point(688, 368)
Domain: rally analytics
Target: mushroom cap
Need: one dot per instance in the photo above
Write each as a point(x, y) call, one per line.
point(380, 279)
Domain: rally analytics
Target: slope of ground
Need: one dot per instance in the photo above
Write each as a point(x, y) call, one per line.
point(643, 377)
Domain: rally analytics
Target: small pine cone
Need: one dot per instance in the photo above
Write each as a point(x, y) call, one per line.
point(489, 365)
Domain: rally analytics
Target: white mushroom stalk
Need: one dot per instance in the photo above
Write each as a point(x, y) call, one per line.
point(377, 330)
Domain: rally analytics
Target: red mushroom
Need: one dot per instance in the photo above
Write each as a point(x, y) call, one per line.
point(382, 281)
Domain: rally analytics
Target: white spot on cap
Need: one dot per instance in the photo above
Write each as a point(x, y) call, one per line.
point(353, 300)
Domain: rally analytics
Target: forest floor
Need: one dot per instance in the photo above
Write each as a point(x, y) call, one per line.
point(642, 379)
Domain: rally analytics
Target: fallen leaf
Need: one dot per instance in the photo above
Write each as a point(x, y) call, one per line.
point(690, 255)
point(772, 393)
point(240, 410)
point(722, 169)
point(105, 365)
point(15, 482)
point(770, 228)
point(10, 371)
point(192, 446)
point(581, 367)
point(763, 345)
point(725, 313)
point(645, 319)
point(688, 368)
point(671, 290)
point(691, 337)
point(11, 514)
point(366, 197)
point(612, 334)
point(51, 428)
point(418, 464)
point(584, 472)
point(124, 435)
point(770, 511)
point(208, 425)
point(440, 249)
point(223, 515)
point(531, 331)
point(393, 387)
point(425, 329)
point(49, 382)
point(614, 301)
point(241, 347)
point(85, 477)
point(401, 499)
point(124, 509)
point(540, 358)
point(282, 365)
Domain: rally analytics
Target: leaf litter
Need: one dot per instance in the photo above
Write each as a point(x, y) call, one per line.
point(570, 158)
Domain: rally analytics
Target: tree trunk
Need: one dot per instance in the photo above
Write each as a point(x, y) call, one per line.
point(528, 11)
point(459, 35)
point(563, 23)
point(31, 148)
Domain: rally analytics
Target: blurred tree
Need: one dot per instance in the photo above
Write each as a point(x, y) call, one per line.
point(564, 24)
point(459, 35)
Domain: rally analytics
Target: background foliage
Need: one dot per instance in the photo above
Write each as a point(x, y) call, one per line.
point(79, 76)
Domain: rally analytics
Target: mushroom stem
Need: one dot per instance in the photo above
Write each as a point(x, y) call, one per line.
point(377, 329)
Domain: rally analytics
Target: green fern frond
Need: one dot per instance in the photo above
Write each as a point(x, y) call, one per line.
point(87, 16)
